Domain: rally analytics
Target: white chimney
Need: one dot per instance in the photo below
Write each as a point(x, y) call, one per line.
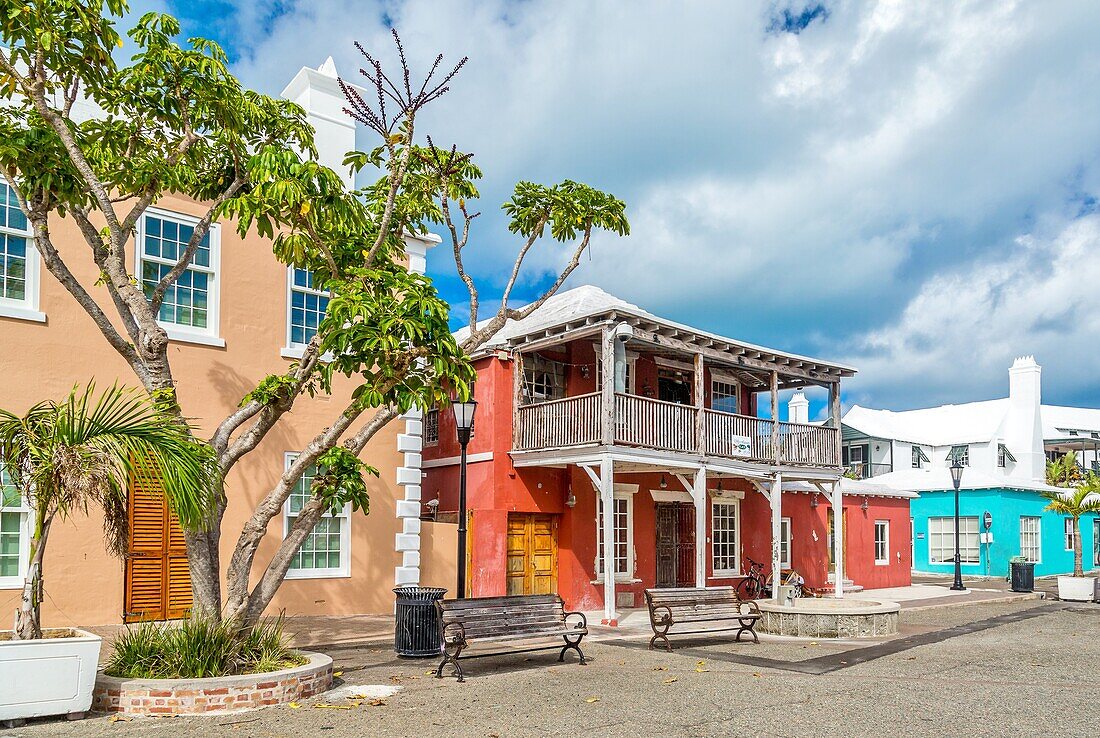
point(798, 408)
point(1023, 423)
point(318, 91)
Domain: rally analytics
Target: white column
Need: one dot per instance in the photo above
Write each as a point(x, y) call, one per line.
point(407, 540)
point(699, 497)
point(838, 539)
point(776, 499)
point(607, 518)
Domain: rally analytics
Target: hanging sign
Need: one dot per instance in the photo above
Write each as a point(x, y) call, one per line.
point(740, 446)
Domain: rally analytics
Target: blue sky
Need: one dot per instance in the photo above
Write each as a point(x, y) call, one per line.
point(910, 188)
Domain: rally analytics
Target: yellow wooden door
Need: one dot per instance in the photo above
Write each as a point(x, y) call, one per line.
point(158, 582)
point(532, 551)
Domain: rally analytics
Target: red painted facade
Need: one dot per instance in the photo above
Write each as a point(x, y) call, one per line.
point(496, 488)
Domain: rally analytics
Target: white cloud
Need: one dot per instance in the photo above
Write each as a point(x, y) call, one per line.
point(798, 190)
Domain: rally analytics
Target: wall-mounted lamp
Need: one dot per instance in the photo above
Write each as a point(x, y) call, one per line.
point(664, 483)
point(570, 498)
point(864, 505)
point(585, 371)
point(719, 488)
point(813, 500)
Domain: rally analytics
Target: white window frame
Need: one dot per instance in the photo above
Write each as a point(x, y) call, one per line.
point(340, 572)
point(631, 359)
point(1067, 533)
point(948, 535)
point(433, 413)
point(919, 457)
point(622, 492)
point(27, 308)
point(965, 455)
point(24, 512)
point(1033, 530)
point(884, 526)
point(785, 543)
point(736, 517)
point(294, 350)
point(211, 335)
point(723, 379)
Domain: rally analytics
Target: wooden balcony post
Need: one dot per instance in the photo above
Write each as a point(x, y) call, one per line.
point(700, 393)
point(607, 390)
point(775, 415)
point(834, 418)
point(517, 396)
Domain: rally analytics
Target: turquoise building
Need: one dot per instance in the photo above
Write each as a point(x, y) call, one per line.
point(1019, 526)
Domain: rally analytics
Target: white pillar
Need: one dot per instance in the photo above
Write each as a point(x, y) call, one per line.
point(607, 518)
point(777, 534)
point(699, 497)
point(838, 539)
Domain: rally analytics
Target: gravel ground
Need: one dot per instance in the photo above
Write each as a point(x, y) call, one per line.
point(1030, 677)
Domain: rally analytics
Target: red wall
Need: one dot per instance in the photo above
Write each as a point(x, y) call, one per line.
point(496, 488)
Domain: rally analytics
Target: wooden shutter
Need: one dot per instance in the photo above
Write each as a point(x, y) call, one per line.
point(158, 583)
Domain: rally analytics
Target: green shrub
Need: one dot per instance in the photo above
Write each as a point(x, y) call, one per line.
point(200, 647)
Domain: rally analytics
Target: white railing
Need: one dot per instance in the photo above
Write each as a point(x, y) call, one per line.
point(668, 426)
point(640, 421)
point(570, 421)
point(737, 436)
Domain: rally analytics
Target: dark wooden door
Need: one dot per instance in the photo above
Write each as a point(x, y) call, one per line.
point(675, 544)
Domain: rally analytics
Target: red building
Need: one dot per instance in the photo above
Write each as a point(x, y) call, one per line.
point(591, 403)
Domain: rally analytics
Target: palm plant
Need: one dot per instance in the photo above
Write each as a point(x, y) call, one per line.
point(64, 458)
point(1073, 503)
point(1063, 471)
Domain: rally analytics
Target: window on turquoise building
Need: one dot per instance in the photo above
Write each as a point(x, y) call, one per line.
point(1030, 538)
point(1069, 533)
point(941, 540)
point(962, 453)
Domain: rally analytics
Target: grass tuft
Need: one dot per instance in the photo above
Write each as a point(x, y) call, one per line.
point(200, 647)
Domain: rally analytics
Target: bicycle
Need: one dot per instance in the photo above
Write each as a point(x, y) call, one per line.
point(755, 585)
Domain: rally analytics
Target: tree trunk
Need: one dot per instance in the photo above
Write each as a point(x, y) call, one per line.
point(28, 618)
point(1078, 564)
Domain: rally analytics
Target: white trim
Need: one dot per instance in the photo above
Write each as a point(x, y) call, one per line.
point(622, 492)
point(27, 308)
point(1067, 533)
point(785, 526)
point(344, 570)
point(719, 378)
point(886, 543)
point(1038, 536)
point(736, 570)
point(24, 512)
point(211, 335)
point(452, 460)
point(670, 495)
point(292, 350)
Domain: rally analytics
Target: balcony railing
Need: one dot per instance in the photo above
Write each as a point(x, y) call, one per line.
point(666, 426)
point(866, 470)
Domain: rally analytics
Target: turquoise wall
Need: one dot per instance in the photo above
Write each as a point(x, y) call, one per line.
point(1006, 506)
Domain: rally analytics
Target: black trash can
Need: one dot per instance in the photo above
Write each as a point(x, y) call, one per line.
point(417, 630)
point(1023, 576)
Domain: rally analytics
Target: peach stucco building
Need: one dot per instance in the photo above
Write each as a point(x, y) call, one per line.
point(236, 316)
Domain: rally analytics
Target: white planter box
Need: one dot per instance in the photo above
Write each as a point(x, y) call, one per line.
point(48, 676)
point(1076, 589)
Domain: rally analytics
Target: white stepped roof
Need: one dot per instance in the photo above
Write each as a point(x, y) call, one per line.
point(939, 478)
point(971, 422)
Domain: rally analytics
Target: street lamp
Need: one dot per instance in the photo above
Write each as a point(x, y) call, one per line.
point(464, 424)
point(956, 479)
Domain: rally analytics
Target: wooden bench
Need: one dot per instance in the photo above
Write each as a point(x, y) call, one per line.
point(698, 607)
point(513, 618)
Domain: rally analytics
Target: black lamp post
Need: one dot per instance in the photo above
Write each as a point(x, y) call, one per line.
point(956, 479)
point(464, 423)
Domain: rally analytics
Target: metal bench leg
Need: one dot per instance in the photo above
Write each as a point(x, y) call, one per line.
point(451, 658)
point(572, 645)
point(750, 628)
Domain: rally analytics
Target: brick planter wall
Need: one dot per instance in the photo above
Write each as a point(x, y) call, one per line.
point(213, 695)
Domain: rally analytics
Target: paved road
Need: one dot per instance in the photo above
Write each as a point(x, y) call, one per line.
point(1033, 671)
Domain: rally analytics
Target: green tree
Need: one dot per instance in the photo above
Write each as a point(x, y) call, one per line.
point(1063, 471)
point(175, 120)
point(1073, 503)
point(65, 457)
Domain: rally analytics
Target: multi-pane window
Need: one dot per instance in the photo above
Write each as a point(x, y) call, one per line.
point(919, 457)
point(726, 559)
point(431, 427)
point(325, 551)
point(724, 396)
point(959, 453)
point(1030, 540)
point(1004, 456)
point(14, 534)
point(307, 307)
point(882, 542)
point(785, 543)
point(941, 540)
point(622, 524)
point(190, 301)
point(1070, 534)
point(543, 379)
point(18, 258)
